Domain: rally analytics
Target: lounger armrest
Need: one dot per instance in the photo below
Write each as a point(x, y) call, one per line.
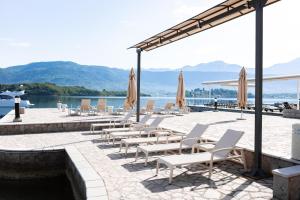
point(157, 132)
point(150, 129)
point(179, 134)
point(207, 143)
point(205, 140)
point(186, 139)
point(213, 152)
point(137, 125)
point(221, 149)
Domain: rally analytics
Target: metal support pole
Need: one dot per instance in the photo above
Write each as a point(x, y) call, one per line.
point(257, 171)
point(138, 84)
point(17, 109)
point(298, 95)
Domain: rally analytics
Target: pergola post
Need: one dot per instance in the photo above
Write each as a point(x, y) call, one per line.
point(138, 84)
point(298, 95)
point(257, 168)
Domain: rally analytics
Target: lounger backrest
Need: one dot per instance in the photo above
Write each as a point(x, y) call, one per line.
point(155, 123)
point(145, 119)
point(85, 104)
point(150, 105)
point(126, 106)
point(127, 116)
point(195, 134)
point(101, 105)
point(228, 140)
point(168, 106)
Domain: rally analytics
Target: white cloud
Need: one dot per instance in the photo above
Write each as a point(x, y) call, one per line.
point(6, 39)
point(20, 44)
point(184, 11)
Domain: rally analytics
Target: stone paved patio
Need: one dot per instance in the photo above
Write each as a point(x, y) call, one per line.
point(49, 115)
point(126, 179)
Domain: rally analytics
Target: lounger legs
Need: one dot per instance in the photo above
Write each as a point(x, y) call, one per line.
point(171, 175)
point(171, 171)
point(244, 159)
point(126, 149)
point(121, 144)
point(157, 167)
point(146, 159)
point(210, 169)
point(136, 154)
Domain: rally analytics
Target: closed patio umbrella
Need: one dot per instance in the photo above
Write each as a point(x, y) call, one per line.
point(180, 97)
point(131, 93)
point(242, 90)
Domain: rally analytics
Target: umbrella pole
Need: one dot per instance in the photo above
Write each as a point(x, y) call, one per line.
point(241, 113)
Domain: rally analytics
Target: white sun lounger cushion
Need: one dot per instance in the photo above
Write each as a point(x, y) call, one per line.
point(128, 133)
point(146, 131)
point(190, 139)
point(162, 147)
point(151, 140)
point(184, 159)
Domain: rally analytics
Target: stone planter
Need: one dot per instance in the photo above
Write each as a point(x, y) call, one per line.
point(296, 142)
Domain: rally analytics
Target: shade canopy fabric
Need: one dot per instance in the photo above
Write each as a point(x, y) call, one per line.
point(219, 14)
point(131, 93)
point(180, 97)
point(242, 89)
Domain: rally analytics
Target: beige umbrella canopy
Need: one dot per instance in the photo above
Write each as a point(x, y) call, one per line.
point(131, 93)
point(180, 97)
point(242, 89)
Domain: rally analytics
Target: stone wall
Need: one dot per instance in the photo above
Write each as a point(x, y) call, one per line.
point(31, 164)
point(10, 129)
point(269, 162)
point(22, 165)
point(291, 113)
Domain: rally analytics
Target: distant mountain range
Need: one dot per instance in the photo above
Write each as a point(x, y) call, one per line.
point(154, 81)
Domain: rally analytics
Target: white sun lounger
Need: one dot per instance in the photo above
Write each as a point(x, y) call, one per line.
point(187, 142)
point(161, 136)
point(135, 126)
point(113, 122)
point(221, 152)
point(144, 132)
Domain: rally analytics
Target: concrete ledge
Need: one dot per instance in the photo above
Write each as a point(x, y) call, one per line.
point(31, 164)
point(291, 113)
point(205, 108)
point(85, 178)
point(14, 129)
point(85, 181)
point(286, 183)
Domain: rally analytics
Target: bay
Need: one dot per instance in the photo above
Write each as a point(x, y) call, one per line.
point(117, 102)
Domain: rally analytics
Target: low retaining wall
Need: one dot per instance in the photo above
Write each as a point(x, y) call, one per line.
point(31, 164)
point(269, 162)
point(291, 113)
point(11, 129)
point(206, 108)
point(85, 182)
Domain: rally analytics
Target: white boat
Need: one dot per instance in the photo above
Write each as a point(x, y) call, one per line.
point(7, 99)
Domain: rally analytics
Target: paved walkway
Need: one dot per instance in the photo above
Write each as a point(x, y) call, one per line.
point(126, 179)
point(277, 131)
point(49, 115)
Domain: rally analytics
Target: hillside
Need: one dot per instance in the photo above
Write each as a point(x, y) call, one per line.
point(154, 81)
point(50, 89)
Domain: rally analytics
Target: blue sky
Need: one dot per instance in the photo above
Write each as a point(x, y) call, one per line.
point(98, 32)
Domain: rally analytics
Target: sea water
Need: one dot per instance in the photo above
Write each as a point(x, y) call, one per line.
point(117, 102)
